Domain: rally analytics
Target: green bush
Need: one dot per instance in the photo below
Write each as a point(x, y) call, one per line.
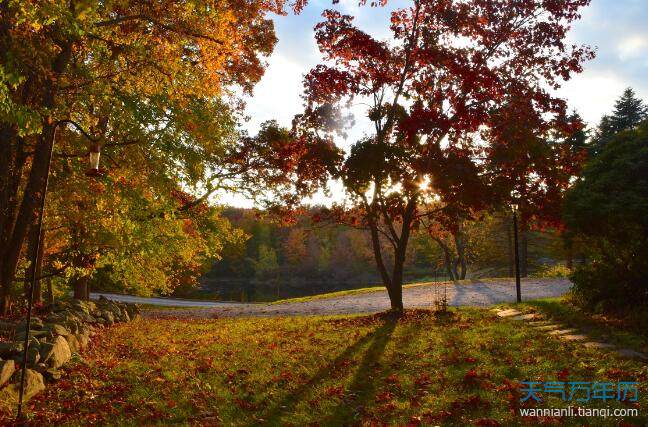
point(552, 271)
point(608, 208)
point(603, 287)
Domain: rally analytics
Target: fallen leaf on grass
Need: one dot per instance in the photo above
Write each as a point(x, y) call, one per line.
point(470, 403)
point(487, 422)
point(334, 391)
point(563, 374)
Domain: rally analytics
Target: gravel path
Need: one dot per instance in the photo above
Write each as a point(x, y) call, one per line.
point(476, 293)
point(168, 302)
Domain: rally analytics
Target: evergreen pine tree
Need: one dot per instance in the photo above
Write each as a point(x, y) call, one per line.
point(629, 111)
point(578, 140)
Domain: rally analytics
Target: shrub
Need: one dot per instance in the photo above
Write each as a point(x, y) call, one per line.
point(605, 287)
point(552, 271)
point(608, 208)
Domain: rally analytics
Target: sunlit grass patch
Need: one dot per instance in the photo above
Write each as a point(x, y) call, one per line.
point(381, 288)
point(459, 370)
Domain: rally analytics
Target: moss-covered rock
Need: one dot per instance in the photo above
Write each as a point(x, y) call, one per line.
point(57, 353)
point(34, 384)
point(7, 368)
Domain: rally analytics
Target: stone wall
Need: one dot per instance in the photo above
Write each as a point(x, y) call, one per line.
point(66, 329)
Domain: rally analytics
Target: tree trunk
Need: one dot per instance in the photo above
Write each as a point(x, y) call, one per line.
point(461, 255)
point(400, 253)
point(396, 293)
point(5, 301)
point(569, 252)
point(81, 288)
point(28, 207)
point(12, 160)
point(13, 242)
point(448, 265)
point(455, 268)
point(464, 267)
point(447, 256)
point(377, 252)
point(396, 296)
point(392, 284)
point(29, 273)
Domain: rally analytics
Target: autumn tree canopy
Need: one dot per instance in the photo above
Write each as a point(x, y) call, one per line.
point(438, 93)
point(154, 83)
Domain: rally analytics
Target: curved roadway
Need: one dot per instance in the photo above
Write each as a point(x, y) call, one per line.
point(475, 293)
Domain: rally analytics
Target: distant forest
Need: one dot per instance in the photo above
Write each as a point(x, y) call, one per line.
point(278, 260)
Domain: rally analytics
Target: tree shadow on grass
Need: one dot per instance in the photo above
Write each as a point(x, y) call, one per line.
point(363, 392)
point(363, 383)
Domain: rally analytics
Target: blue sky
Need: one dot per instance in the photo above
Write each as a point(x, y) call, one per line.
point(617, 28)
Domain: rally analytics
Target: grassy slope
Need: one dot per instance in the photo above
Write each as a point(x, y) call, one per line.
point(337, 294)
point(343, 369)
point(379, 289)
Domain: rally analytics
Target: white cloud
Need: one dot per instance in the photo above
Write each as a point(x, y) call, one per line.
point(593, 94)
point(618, 29)
point(633, 47)
point(277, 96)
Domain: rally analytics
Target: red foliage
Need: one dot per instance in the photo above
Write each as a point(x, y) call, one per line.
point(460, 98)
point(478, 116)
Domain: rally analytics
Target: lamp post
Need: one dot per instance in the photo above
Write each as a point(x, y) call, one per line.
point(514, 208)
point(93, 171)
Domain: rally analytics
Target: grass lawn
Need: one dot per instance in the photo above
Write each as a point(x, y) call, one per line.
point(381, 288)
point(459, 370)
point(336, 294)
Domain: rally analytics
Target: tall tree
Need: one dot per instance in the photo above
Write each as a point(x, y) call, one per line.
point(608, 209)
point(450, 67)
point(629, 111)
point(122, 72)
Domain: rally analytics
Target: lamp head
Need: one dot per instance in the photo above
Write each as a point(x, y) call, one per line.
point(93, 157)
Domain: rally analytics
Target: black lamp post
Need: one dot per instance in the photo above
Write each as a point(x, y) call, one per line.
point(93, 171)
point(514, 208)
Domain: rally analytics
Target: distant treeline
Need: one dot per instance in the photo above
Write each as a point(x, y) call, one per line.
point(306, 257)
